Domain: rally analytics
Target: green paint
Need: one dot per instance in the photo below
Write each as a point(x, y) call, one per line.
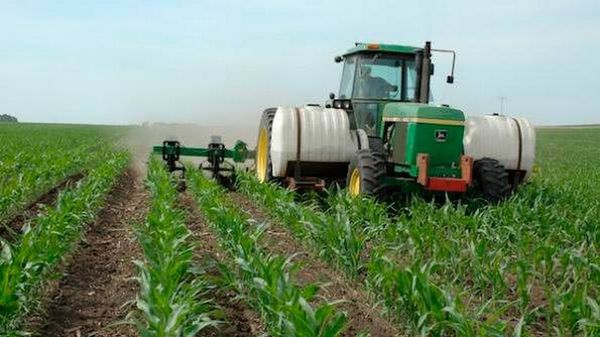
point(390, 48)
point(239, 153)
point(409, 139)
point(421, 138)
point(420, 110)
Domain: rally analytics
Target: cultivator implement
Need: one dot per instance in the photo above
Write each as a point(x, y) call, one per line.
point(216, 163)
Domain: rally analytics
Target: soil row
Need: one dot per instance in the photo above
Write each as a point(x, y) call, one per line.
point(97, 282)
point(12, 228)
point(97, 289)
point(363, 315)
point(239, 319)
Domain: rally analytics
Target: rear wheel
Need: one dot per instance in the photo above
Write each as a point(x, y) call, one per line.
point(365, 173)
point(491, 179)
point(264, 168)
point(376, 144)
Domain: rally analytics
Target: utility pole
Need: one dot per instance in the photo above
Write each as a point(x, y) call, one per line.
point(502, 99)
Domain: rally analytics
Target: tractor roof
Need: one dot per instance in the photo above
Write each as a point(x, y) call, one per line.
point(389, 48)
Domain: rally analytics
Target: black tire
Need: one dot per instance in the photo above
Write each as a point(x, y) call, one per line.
point(370, 166)
point(491, 179)
point(266, 122)
point(376, 144)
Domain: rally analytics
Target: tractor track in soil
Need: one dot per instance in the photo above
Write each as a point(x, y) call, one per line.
point(240, 320)
point(362, 316)
point(11, 229)
point(98, 279)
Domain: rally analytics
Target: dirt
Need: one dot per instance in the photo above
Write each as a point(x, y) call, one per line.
point(240, 320)
point(362, 314)
point(537, 299)
point(11, 230)
point(97, 286)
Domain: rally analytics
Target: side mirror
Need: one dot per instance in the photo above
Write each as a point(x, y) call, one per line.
point(338, 59)
point(450, 79)
point(431, 69)
point(331, 95)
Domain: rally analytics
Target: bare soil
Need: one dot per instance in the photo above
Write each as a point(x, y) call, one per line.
point(240, 320)
point(362, 314)
point(97, 283)
point(11, 230)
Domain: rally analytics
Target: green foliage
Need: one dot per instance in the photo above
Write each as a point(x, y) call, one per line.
point(26, 266)
point(173, 299)
point(344, 236)
point(36, 157)
point(265, 280)
point(528, 265)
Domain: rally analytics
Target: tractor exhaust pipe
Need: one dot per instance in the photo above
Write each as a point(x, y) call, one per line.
point(425, 73)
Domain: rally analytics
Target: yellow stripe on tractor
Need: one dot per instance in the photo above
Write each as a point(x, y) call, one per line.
point(423, 120)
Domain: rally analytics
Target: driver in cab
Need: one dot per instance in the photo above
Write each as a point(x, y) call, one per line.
point(373, 87)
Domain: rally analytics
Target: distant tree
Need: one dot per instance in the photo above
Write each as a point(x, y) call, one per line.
point(8, 118)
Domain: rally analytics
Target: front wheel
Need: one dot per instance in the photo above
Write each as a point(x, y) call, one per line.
point(365, 173)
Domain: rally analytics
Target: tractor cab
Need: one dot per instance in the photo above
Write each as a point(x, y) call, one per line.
point(377, 74)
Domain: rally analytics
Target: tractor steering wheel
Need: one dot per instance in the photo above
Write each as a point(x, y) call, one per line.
point(393, 91)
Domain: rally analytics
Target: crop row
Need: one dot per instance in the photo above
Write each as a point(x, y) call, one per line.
point(26, 266)
point(173, 298)
point(339, 237)
point(264, 280)
point(35, 158)
point(528, 265)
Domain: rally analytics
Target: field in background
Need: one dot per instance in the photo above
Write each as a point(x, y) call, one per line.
point(36, 157)
point(527, 266)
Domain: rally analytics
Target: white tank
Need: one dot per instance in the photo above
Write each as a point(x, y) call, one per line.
point(325, 137)
point(501, 138)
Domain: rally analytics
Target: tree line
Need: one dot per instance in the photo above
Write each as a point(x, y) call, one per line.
point(8, 118)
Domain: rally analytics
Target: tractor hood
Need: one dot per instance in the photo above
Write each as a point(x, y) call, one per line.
point(422, 113)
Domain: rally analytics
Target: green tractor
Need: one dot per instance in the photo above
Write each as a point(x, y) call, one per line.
point(381, 132)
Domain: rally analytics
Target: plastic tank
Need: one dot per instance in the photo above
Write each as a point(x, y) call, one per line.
point(509, 140)
point(325, 137)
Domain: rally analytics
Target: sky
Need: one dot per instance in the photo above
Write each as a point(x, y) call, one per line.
point(223, 62)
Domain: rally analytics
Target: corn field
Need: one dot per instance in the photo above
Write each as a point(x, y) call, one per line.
point(212, 262)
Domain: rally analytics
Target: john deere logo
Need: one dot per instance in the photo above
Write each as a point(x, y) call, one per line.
point(441, 135)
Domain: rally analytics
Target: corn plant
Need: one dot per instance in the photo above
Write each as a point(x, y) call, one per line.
point(26, 266)
point(34, 158)
point(344, 236)
point(265, 280)
point(173, 299)
point(529, 265)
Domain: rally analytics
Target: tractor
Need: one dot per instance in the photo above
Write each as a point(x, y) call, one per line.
point(381, 132)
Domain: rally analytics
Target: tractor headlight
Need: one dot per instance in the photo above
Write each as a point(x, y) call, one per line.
point(342, 104)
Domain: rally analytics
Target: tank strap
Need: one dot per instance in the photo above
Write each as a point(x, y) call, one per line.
point(297, 173)
point(362, 138)
point(520, 144)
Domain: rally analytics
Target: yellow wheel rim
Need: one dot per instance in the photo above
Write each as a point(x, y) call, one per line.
point(354, 185)
point(262, 155)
